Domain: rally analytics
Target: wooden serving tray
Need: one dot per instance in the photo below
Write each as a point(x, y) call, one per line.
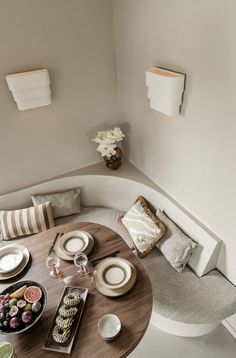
point(66, 347)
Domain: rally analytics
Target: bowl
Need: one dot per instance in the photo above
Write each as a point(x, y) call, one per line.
point(109, 326)
point(10, 258)
point(43, 300)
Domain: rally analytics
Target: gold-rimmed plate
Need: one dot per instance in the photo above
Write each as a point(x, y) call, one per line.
point(22, 265)
point(65, 256)
point(73, 242)
point(113, 272)
point(119, 291)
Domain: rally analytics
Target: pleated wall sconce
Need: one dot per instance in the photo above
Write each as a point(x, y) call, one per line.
point(165, 90)
point(30, 89)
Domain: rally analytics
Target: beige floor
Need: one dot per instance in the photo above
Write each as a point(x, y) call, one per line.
point(157, 344)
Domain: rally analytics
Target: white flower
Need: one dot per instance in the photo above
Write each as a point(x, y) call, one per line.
point(111, 136)
point(106, 149)
point(118, 134)
point(100, 137)
point(106, 141)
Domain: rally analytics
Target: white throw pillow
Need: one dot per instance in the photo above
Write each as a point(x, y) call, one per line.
point(143, 226)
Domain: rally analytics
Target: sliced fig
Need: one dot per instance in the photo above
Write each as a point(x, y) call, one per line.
point(14, 311)
point(21, 303)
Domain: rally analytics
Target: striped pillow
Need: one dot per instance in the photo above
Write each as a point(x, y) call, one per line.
point(143, 226)
point(27, 221)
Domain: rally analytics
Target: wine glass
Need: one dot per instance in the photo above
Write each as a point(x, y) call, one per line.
point(53, 262)
point(81, 262)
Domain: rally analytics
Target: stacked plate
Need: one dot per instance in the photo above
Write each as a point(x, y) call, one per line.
point(13, 259)
point(114, 276)
point(73, 242)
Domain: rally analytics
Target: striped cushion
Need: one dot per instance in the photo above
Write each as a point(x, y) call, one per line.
point(143, 226)
point(27, 221)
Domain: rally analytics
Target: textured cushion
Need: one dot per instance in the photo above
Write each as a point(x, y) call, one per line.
point(186, 297)
point(143, 226)
point(27, 221)
point(63, 203)
point(175, 245)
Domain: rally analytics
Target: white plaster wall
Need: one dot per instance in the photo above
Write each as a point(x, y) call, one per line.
point(74, 40)
point(192, 157)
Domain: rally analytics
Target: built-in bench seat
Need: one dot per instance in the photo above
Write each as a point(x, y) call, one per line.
point(182, 297)
point(184, 304)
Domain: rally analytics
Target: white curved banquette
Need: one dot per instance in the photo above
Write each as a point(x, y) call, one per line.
point(118, 194)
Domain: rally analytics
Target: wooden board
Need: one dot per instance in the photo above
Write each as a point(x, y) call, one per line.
point(66, 347)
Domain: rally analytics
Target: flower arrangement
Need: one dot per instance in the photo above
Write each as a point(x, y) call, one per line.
point(107, 140)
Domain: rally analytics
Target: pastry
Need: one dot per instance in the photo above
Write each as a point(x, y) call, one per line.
point(67, 311)
point(64, 322)
point(71, 299)
point(60, 335)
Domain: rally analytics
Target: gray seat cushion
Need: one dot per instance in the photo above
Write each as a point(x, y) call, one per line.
point(187, 298)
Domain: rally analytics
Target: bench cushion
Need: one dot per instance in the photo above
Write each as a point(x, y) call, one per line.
point(104, 216)
point(187, 298)
point(178, 296)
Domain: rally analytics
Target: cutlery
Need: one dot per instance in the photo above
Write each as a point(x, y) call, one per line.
point(58, 234)
point(96, 260)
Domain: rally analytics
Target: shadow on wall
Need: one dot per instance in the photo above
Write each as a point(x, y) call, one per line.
point(222, 259)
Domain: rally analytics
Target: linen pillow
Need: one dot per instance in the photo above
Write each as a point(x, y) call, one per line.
point(143, 226)
point(27, 221)
point(63, 203)
point(175, 245)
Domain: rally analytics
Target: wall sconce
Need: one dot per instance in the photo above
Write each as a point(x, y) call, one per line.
point(30, 89)
point(165, 90)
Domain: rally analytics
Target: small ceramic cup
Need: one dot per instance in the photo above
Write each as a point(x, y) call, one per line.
point(109, 326)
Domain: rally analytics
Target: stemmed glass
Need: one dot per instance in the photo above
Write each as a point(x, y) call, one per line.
point(81, 262)
point(53, 262)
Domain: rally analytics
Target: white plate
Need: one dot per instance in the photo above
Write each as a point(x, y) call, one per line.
point(10, 258)
point(113, 272)
point(64, 256)
point(22, 265)
point(73, 242)
point(109, 326)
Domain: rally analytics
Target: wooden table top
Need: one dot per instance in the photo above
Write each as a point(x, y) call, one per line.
point(134, 308)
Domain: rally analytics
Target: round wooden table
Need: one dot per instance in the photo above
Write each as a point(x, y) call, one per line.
point(134, 308)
